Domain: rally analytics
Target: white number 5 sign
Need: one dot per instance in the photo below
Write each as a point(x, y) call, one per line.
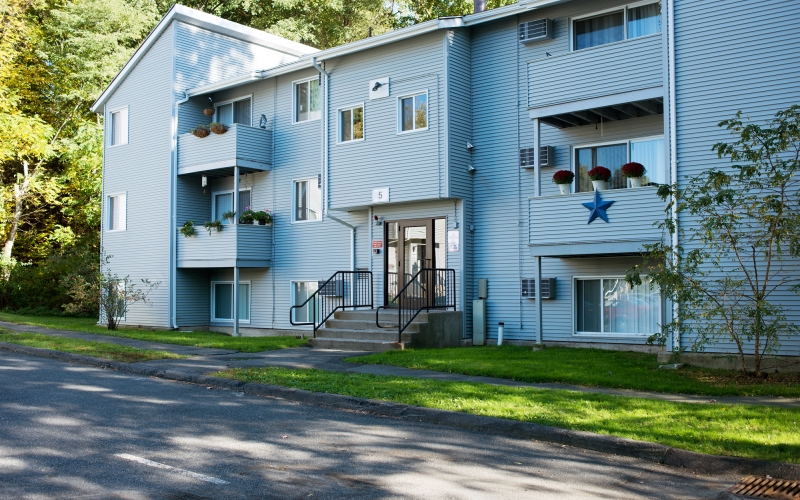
point(380, 195)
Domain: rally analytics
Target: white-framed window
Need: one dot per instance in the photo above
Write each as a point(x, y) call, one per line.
point(116, 216)
point(412, 112)
point(238, 110)
point(222, 301)
point(300, 292)
point(118, 127)
point(649, 151)
point(610, 306)
point(307, 97)
point(615, 25)
point(307, 200)
point(222, 201)
point(351, 123)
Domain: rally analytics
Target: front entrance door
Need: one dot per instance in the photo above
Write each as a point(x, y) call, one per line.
point(412, 245)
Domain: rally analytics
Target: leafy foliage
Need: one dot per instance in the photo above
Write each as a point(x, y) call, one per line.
point(743, 240)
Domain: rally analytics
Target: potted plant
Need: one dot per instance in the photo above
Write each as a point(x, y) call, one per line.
point(229, 216)
point(634, 171)
point(200, 131)
point(564, 179)
point(599, 176)
point(209, 111)
point(247, 217)
point(216, 224)
point(218, 128)
point(263, 217)
point(188, 230)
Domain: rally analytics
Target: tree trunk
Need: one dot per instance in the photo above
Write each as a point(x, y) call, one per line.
point(20, 190)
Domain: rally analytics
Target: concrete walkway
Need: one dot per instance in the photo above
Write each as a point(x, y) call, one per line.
point(206, 360)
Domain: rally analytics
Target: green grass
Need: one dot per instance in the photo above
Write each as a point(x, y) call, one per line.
point(196, 339)
point(763, 432)
point(588, 367)
point(103, 350)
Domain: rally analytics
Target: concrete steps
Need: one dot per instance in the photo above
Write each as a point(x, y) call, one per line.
point(357, 331)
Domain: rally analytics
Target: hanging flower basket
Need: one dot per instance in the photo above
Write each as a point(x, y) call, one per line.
point(188, 230)
point(263, 217)
point(209, 111)
point(218, 128)
point(200, 131)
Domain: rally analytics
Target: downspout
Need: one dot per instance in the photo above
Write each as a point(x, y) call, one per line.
point(676, 336)
point(538, 283)
point(324, 132)
point(173, 207)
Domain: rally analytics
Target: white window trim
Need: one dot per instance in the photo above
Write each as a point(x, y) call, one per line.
point(291, 292)
point(229, 101)
point(576, 333)
point(294, 100)
point(400, 130)
point(294, 201)
point(109, 128)
point(339, 123)
point(124, 195)
point(627, 142)
point(214, 319)
point(624, 8)
point(226, 191)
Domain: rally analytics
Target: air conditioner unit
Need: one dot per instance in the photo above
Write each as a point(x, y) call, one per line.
point(333, 288)
point(548, 288)
point(547, 156)
point(526, 158)
point(536, 31)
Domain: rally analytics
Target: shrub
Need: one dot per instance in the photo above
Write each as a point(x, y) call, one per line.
point(599, 174)
point(563, 177)
point(633, 169)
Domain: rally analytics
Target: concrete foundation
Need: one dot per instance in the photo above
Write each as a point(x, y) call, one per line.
point(771, 364)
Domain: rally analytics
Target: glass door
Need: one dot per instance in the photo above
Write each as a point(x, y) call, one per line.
point(412, 245)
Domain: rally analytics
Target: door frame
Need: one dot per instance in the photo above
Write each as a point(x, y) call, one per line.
point(430, 225)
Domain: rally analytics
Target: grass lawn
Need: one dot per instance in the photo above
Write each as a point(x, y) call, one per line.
point(763, 432)
point(588, 367)
point(197, 339)
point(103, 350)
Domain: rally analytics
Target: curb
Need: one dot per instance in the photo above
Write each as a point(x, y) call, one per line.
point(652, 452)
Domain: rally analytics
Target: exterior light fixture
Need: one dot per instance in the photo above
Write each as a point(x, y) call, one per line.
point(377, 86)
point(262, 123)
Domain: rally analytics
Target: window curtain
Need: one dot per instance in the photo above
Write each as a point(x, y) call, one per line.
point(651, 155)
point(244, 202)
point(314, 100)
point(599, 30)
point(644, 20)
point(630, 310)
point(241, 112)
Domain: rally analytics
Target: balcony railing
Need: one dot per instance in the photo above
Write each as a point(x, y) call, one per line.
point(243, 245)
point(247, 147)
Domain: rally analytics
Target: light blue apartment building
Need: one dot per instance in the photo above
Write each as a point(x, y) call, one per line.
point(429, 147)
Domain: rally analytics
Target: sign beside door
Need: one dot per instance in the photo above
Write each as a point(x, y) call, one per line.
point(453, 240)
point(377, 243)
point(380, 195)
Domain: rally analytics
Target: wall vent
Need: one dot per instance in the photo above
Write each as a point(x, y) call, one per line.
point(548, 288)
point(536, 31)
point(526, 158)
point(547, 156)
point(334, 288)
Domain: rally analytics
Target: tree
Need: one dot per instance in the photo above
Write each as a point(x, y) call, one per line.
point(741, 249)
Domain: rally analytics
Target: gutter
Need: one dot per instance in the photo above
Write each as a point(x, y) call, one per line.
point(173, 215)
point(676, 336)
point(324, 135)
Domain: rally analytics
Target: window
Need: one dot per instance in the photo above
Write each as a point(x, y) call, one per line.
point(307, 200)
point(222, 301)
point(630, 22)
point(115, 209)
point(351, 124)
point(649, 152)
point(118, 127)
point(307, 101)
point(234, 112)
point(612, 306)
point(301, 291)
point(223, 202)
point(414, 112)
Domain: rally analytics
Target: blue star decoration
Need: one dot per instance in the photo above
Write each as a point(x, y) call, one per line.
point(597, 208)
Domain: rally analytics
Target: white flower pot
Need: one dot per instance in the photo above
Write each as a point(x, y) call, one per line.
point(636, 182)
point(600, 185)
point(564, 188)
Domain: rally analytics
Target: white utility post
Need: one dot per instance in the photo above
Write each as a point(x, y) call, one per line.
point(235, 228)
point(538, 290)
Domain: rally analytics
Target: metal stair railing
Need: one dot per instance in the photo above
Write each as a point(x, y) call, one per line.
point(345, 289)
point(426, 290)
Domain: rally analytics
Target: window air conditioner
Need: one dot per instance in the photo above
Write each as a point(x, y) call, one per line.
point(526, 158)
point(547, 156)
point(536, 31)
point(548, 288)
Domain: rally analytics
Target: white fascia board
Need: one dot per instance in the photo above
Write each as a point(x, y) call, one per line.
point(211, 23)
point(375, 41)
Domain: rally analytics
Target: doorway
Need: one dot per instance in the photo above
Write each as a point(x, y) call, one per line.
point(411, 245)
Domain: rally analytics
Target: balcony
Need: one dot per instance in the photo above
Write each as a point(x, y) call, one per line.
point(240, 245)
point(558, 224)
point(248, 148)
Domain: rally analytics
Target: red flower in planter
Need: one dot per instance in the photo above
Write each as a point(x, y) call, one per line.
point(599, 174)
point(633, 169)
point(563, 177)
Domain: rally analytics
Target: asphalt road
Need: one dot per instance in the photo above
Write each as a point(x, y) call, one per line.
point(71, 431)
